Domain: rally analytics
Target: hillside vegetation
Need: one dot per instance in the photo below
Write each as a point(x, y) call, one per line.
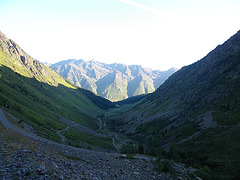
point(194, 117)
point(37, 96)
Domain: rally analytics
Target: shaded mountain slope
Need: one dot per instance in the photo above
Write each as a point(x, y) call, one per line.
point(112, 81)
point(197, 111)
point(37, 95)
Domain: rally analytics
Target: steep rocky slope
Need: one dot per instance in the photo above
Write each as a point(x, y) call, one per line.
point(196, 110)
point(38, 96)
point(13, 57)
point(112, 81)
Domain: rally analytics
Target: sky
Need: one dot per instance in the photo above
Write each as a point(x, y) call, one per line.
point(158, 34)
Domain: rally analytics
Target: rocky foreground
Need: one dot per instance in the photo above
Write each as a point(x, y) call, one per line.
point(27, 156)
point(23, 158)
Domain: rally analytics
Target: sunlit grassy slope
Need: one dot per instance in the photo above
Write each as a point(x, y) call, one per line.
point(36, 94)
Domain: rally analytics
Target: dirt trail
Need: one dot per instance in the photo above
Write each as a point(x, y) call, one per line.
point(94, 163)
point(116, 141)
point(91, 164)
point(100, 124)
point(80, 127)
point(63, 138)
point(6, 123)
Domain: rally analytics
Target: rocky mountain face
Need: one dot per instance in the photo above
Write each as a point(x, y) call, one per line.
point(15, 58)
point(112, 81)
point(197, 111)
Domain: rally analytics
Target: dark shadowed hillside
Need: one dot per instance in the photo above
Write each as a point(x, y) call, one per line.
point(194, 116)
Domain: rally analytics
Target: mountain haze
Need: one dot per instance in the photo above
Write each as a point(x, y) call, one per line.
point(112, 81)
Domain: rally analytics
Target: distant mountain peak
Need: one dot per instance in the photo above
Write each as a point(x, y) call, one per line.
point(20, 65)
point(114, 81)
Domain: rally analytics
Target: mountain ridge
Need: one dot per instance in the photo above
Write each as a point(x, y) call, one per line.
point(196, 77)
point(194, 116)
point(26, 65)
point(40, 98)
point(112, 81)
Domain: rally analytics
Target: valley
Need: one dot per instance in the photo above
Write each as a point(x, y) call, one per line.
point(187, 128)
point(61, 161)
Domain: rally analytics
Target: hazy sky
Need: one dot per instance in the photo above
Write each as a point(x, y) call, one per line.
point(153, 33)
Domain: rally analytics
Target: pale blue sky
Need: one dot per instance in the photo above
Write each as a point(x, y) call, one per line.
point(153, 33)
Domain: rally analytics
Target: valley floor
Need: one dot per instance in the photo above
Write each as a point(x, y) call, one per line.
point(27, 156)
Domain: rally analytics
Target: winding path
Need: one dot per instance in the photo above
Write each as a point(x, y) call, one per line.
point(58, 132)
point(9, 125)
point(6, 123)
point(100, 124)
point(112, 164)
point(79, 127)
point(104, 124)
point(113, 141)
point(112, 135)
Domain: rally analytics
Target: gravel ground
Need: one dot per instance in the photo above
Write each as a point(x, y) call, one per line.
point(51, 161)
point(24, 155)
point(64, 162)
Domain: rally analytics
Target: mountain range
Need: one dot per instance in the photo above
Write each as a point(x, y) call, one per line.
point(112, 81)
point(192, 118)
